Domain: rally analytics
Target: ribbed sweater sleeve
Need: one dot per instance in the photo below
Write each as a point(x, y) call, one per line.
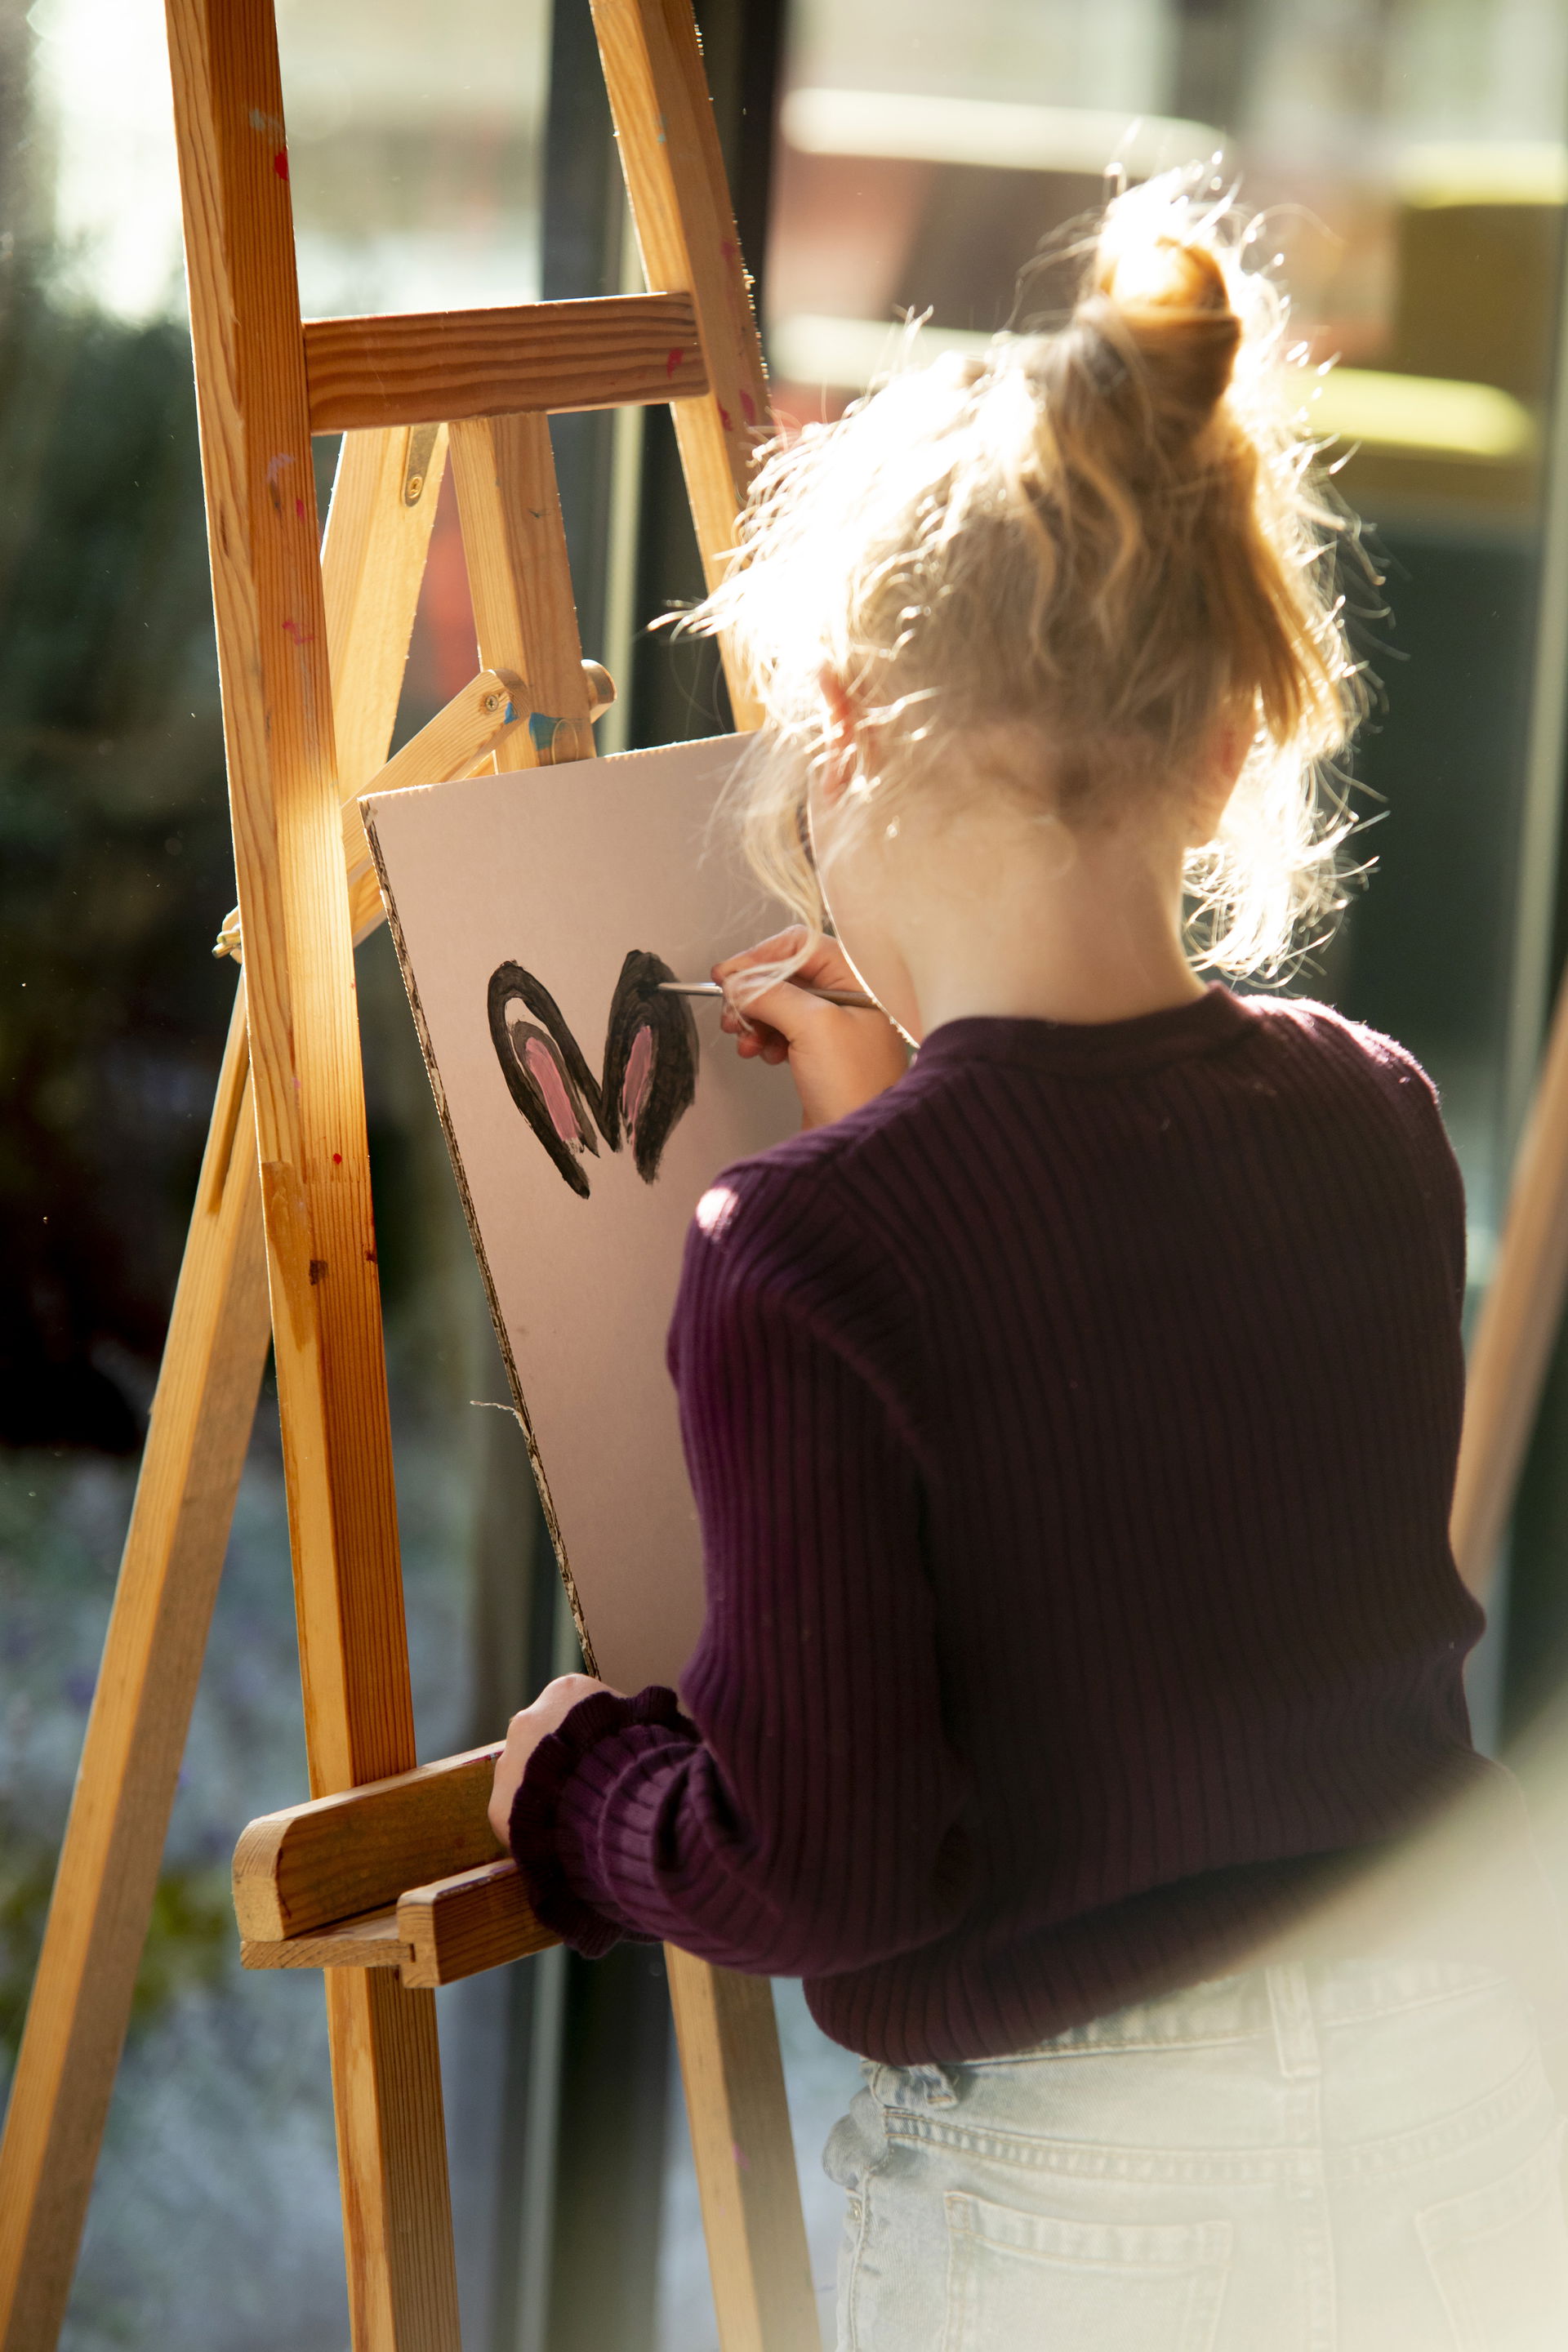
point(819, 1643)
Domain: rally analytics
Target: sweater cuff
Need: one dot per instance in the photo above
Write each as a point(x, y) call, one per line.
point(536, 1825)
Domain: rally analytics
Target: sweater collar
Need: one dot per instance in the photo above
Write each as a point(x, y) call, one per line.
point(1177, 1033)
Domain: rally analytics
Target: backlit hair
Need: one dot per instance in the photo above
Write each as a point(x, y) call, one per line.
point(1059, 567)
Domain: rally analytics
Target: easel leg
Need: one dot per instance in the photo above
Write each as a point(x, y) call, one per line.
point(152, 1654)
point(108, 1872)
point(740, 2144)
point(397, 2201)
point(1519, 1323)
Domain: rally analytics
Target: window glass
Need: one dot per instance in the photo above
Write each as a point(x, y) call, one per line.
point(415, 137)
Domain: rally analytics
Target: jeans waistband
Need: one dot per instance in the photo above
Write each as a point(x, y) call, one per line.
point(1291, 2003)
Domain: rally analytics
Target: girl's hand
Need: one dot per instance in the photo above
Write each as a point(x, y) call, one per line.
point(837, 1057)
point(524, 1732)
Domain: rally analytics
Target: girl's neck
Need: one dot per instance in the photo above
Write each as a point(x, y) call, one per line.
point(1114, 974)
point(995, 913)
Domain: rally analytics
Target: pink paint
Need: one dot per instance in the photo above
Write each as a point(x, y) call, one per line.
point(672, 362)
point(725, 419)
point(634, 1086)
point(300, 636)
point(546, 1076)
point(337, 1159)
point(280, 163)
point(299, 508)
point(748, 408)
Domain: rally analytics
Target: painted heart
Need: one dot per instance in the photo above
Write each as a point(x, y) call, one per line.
point(647, 1084)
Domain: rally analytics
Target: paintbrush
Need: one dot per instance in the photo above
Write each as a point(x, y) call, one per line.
point(851, 997)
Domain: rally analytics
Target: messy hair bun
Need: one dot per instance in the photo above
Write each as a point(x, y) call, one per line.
point(1077, 556)
point(1164, 308)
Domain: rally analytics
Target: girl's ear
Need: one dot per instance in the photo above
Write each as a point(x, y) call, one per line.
point(843, 726)
point(1217, 774)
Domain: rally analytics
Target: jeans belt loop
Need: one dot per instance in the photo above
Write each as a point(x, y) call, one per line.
point(1295, 2032)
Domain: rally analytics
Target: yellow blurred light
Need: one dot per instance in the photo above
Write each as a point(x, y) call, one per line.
point(1428, 415)
point(1476, 172)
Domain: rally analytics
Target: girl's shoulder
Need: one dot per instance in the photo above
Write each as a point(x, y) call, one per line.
point(1312, 1036)
point(804, 1194)
point(1333, 1029)
point(808, 1217)
point(1367, 1089)
point(790, 1242)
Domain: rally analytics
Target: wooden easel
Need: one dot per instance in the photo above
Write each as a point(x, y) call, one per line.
point(311, 645)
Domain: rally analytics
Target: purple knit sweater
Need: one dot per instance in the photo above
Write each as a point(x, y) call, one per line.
point(1073, 1431)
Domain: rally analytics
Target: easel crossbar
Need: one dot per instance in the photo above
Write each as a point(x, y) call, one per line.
point(613, 350)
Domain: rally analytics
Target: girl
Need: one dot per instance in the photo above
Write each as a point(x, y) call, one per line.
point(1072, 1414)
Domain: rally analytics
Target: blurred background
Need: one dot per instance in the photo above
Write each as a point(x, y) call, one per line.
point(1409, 162)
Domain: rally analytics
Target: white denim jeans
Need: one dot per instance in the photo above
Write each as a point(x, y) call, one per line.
point(1331, 2157)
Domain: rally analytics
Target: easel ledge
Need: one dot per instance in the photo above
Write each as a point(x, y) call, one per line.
point(326, 1884)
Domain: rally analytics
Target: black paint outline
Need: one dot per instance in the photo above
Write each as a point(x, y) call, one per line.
point(637, 1004)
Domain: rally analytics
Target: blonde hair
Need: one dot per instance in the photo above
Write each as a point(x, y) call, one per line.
point(1070, 559)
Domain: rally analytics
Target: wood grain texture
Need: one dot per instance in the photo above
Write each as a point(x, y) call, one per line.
point(434, 1934)
point(449, 745)
point(453, 743)
point(372, 560)
point(1517, 1323)
point(109, 1863)
point(304, 1044)
point(309, 1107)
point(392, 2163)
point(745, 2164)
point(617, 351)
point(475, 1919)
point(456, 742)
point(373, 1940)
point(358, 1850)
point(687, 237)
point(514, 544)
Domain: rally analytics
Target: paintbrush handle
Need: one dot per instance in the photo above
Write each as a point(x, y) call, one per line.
point(849, 997)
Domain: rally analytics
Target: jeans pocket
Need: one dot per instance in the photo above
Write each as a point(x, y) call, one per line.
point(1030, 2283)
point(1499, 2256)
